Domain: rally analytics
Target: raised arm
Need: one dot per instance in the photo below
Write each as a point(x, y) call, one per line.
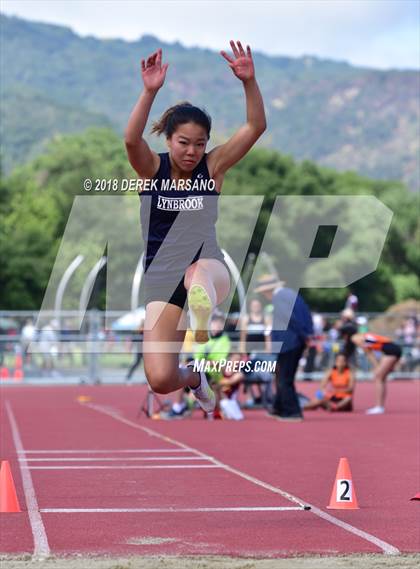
point(221, 158)
point(144, 161)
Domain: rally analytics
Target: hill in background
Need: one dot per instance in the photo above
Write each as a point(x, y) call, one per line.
point(349, 118)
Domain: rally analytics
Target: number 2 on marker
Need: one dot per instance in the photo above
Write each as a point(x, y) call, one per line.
point(344, 490)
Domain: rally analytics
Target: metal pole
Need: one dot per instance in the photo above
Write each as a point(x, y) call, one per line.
point(62, 287)
point(237, 277)
point(93, 335)
point(88, 286)
point(135, 288)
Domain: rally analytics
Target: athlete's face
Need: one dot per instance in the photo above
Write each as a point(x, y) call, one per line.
point(216, 326)
point(187, 145)
point(268, 294)
point(235, 357)
point(340, 362)
point(255, 306)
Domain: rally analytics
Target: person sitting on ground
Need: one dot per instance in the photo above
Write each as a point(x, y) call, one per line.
point(233, 376)
point(336, 389)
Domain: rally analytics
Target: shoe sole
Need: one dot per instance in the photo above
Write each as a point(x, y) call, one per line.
point(198, 400)
point(285, 419)
point(200, 305)
point(212, 402)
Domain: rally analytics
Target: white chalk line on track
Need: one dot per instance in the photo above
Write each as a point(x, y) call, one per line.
point(164, 510)
point(96, 451)
point(127, 467)
point(108, 459)
point(387, 548)
point(41, 546)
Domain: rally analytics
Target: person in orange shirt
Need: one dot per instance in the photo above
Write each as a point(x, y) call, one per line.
point(382, 367)
point(336, 389)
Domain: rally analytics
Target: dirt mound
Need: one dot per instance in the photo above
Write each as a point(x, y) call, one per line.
point(394, 317)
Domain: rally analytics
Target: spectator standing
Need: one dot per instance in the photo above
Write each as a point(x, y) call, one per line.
point(294, 333)
point(254, 327)
point(347, 327)
point(352, 301)
point(255, 331)
point(27, 336)
point(48, 346)
point(139, 353)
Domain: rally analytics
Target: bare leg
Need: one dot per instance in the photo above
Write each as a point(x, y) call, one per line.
point(343, 403)
point(313, 404)
point(380, 391)
point(386, 365)
point(162, 366)
point(208, 284)
point(212, 275)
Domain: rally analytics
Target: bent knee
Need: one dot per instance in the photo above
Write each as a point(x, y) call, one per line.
point(379, 378)
point(196, 271)
point(160, 382)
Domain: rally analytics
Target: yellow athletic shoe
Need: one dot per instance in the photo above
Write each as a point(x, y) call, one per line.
point(201, 309)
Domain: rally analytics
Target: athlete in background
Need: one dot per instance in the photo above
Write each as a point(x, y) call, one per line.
point(381, 368)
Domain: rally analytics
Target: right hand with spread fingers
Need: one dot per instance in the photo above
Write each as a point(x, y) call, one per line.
point(153, 72)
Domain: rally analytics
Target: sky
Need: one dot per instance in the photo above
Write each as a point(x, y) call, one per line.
point(382, 34)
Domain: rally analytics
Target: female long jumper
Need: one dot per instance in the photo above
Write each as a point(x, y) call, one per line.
point(178, 215)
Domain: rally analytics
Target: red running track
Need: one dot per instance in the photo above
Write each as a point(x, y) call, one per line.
point(92, 478)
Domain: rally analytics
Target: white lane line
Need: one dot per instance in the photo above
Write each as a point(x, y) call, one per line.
point(107, 459)
point(151, 467)
point(41, 546)
point(97, 451)
point(386, 547)
point(163, 510)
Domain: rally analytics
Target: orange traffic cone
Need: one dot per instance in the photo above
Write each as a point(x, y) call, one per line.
point(4, 373)
point(343, 496)
point(8, 497)
point(18, 373)
point(416, 497)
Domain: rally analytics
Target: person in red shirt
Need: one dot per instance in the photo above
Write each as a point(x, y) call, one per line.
point(382, 367)
point(336, 389)
point(229, 385)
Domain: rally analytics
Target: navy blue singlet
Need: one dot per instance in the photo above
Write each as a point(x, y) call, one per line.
point(178, 225)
